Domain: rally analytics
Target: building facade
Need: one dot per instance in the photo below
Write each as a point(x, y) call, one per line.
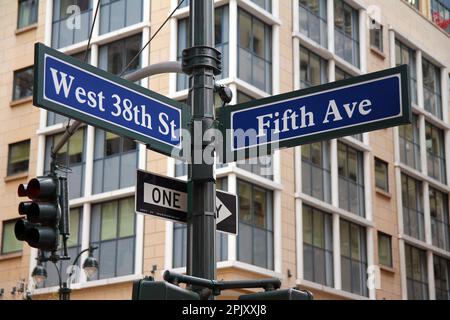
point(360, 217)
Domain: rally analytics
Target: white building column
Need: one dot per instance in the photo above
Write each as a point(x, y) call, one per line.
point(233, 39)
point(330, 25)
point(404, 286)
point(426, 212)
point(419, 79)
point(362, 40)
point(336, 219)
point(232, 239)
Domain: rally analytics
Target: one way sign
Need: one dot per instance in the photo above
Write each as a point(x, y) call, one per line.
point(226, 212)
point(167, 198)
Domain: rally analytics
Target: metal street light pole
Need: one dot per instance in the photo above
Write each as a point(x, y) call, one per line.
point(202, 62)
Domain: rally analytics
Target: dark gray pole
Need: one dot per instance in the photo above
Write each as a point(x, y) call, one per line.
point(201, 62)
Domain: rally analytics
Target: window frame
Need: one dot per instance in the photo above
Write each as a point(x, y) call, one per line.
point(322, 20)
point(116, 239)
point(423, 271)
point(419, 211)
point(323, 65)
point(15, 80)
point(386, 176)
point(390, 264)
point(270, 265)
point(359, 183)
point(108, 5)
point(268, 61)
point(362, 245)
point(355, 40)
point(412, 67)
point(373, 32)
point(2, 248)
point(33, 16)
point(330, 251)
point(432, 157)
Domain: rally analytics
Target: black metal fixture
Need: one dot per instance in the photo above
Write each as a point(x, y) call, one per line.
point(39, 274)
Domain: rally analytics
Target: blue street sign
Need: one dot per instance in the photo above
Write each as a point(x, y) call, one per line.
point(70, 87)
point(359, 104)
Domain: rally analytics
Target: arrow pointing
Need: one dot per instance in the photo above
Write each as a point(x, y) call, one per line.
point(222, 212)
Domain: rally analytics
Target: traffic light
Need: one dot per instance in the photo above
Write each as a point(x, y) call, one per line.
point(40, 228)
point(283, 294)
point(148, 289)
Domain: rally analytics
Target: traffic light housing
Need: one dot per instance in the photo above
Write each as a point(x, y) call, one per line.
point(40, 227)
point(282, 294)
point(148, 289)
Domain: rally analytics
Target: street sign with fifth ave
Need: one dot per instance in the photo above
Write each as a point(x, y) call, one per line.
point(358, 104)
point(80, 91)
point(168, 198)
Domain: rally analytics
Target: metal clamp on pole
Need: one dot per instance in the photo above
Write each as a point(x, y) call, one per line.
point(202, 56)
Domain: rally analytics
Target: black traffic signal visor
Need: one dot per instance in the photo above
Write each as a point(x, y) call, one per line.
point(21, 229)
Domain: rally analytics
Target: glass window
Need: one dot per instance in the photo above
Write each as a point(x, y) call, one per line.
point(9, 242)
point(341, 74)
point(180, 237)
point(413, 214)
point(432, 98)
point(316, 172)
point(440, 226)
point(384, 249)
point(353, 258)
point(313, 20)
point(114, 56)
point(406, 55)
point(73, 156)
point(116, 14)
point(221, 30)
point(442, 277)
point(317, 246)
point(71, 22)
point(351, 179)
point(73, 248)
point(416, 273)
point(255, 239)
point(346, 35)
point(376, 37)
point(265, 4)
point(440, 13)
point(23, 83)
point(254, 51)
point(113, 230)
point(313, 69)
point(28, 13)
point(263, 165)
point(18, 157)
point(381, 175)
point(435, 152)
point(115, 162)
point(409, 141)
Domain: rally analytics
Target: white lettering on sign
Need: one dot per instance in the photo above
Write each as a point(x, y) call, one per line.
point(295, 119)
point(164, 197)
point(121, 108)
